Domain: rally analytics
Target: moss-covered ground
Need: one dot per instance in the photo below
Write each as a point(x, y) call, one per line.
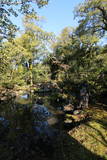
point(87, 141)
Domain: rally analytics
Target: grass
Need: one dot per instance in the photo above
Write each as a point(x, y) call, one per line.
point(88, 141)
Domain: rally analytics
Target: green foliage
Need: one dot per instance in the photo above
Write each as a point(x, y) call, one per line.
point(78, 59)
point(92, 135)
point(76, 56)
point(41, 73)
point(92, 17)
point(18, 56)
point(10, 8)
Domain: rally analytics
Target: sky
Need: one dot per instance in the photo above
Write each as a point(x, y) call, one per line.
point(58, 15)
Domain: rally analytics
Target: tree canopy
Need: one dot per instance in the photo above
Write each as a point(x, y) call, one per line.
point(75, 55)
point(92, 16)
point(18, 57)
point(9, 8)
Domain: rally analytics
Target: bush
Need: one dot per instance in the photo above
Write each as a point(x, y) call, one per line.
point(8, 85)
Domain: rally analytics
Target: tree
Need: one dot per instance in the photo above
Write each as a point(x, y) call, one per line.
point(10, 8)
point(93, 17)
point(78, 59)
point(35, 41)
point(18, 56)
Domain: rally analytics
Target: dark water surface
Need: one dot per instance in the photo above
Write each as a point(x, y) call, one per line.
point(30, 131)
point(18, 111)
point(29, 125)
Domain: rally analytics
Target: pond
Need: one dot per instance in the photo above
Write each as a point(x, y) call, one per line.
point(30, 119)
point(25, 112)
point(18, 112)
point(33, 126)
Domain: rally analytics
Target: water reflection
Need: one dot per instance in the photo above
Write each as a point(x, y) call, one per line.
point(19, 111)
point(32, 117)
point(24, 96)
point(33, 128)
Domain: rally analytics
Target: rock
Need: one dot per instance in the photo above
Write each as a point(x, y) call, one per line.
point(68, 121)
point(77, 112)
point(52, 121)
point(68, 108)
point(42, 130)
point(40, 112)
point(40, 126)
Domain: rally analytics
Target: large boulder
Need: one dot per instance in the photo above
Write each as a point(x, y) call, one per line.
point(40, 113)
point(41, 127)
point(44, 131)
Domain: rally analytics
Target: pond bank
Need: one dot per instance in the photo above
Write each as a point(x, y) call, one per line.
point(7, 93)
point(93, 134)
point(85, 141)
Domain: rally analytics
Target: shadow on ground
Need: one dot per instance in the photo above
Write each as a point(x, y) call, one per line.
point(64, 148)
point(22, 145)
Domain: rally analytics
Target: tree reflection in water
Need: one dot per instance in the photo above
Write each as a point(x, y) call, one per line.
point(21, 141)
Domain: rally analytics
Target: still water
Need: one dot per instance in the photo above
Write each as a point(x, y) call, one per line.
point(18, 111)
point(30, 125)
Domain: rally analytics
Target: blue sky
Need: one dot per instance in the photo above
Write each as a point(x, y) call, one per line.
point(58, 13)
